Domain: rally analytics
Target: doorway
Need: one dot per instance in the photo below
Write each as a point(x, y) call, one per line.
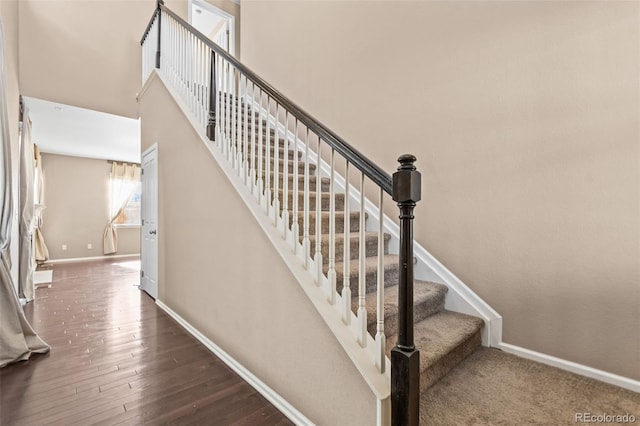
point(149, 231)
point(215, 23)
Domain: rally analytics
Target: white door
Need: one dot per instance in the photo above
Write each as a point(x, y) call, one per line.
point(149, 233)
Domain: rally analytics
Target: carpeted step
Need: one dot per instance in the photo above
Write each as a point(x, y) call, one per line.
point(324, 203)
point(389, 264)
point(324, 182)
point(290, 166)
point(444, 340)
point(292, 154)
point(371, 245)
point(428, 299)
point(354, 221)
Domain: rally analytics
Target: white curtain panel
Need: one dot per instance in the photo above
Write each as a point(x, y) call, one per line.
point(18, 340)
point(27, 171)
point(123, 181)
point(41, 252)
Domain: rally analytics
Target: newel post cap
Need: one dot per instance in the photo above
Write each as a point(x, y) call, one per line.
point(406, 181)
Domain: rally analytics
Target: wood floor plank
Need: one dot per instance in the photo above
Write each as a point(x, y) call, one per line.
point(117, 359)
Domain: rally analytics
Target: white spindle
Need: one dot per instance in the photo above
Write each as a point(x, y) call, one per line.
point(318, 255)
point(295, 226)
point(331, 274)
point(285, 180)
point(261, 180)
point(362, 284)
point(346, 265)
point(238, 110)
point(252, 121)
point(267, 194)
point(380, 337)
point(275, 212)
point(306, 243)
point(245, 135)
point(218, 93)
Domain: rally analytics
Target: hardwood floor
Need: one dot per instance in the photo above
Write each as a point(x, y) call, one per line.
point(117, 359)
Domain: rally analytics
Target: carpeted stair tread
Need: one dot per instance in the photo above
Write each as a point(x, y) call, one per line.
point(444, 340)
point(324, 200)
point(389, 265)
point(428, 299)
point(371, 244)
point(354, 221)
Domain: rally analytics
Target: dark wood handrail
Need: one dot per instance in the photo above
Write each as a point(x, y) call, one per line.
point(362, 163)
point(146, 31)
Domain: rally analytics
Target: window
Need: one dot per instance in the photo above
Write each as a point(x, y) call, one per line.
point(125, 196)
point(131, 215)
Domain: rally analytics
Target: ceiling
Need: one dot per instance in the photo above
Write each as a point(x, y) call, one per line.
point(69, 130)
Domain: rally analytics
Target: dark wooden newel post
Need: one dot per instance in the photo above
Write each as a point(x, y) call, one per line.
point(159, 11)
point(213, 93)
point(405, 359)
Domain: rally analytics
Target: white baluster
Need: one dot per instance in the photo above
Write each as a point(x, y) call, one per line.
point(217, 94)
point(252, 121)
point(285, 180)
point(245, 136)
point(380, 337)
point(346, 270)
point(331, 273)
point(306, 242)
point(362, 284)
point(295, 227)
point(275, 211)
point(318, 255)
point(267, 194)
point(260, 153)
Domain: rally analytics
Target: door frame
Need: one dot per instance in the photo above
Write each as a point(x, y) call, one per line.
point(143, 207)
point(231, 20)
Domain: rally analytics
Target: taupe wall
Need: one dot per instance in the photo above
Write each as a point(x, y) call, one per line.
point(524, 117)
point(9, 17)
point(233, 9)
point(218, 270)
point(77, 200)
point(85, 53)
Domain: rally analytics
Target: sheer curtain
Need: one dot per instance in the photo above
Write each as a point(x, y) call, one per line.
point(18, 340)
point(123, 181)
point(27, 168)
point(41, 252)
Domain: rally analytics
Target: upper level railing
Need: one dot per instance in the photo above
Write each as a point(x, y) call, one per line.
point(288, 160)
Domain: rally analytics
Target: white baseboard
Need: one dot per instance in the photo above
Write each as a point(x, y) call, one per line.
point(91, 259)
point(274, 398)
point(563, 364)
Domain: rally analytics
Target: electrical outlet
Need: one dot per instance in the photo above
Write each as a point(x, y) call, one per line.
point(64, 247)
point(89, 246)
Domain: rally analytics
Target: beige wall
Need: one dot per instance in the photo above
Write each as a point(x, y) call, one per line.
point(85, 53)
point(9, 18)
point(524, 117)
point(77, 200)
point(219, 271)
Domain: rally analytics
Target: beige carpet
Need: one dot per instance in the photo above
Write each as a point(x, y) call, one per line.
point(491, 387)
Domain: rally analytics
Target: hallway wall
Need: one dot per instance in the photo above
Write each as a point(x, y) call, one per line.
point(218, 270)
point(77, 200)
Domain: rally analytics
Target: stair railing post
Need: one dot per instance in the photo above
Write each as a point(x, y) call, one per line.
point(159, 9)
point(211, 124)
point(405, 359)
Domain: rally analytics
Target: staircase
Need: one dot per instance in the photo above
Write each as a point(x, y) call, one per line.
point(444, 338)
point(298, 171)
